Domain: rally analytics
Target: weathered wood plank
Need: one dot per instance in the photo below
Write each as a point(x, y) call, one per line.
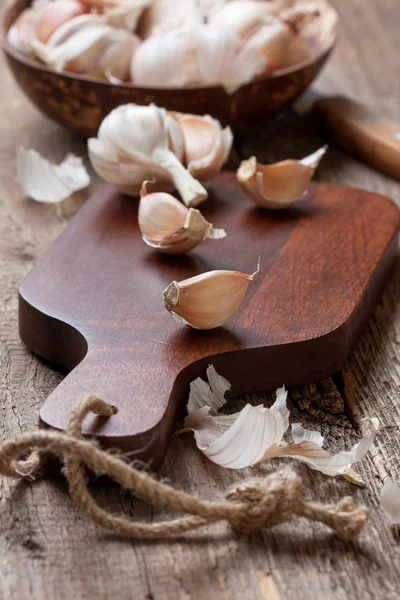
point(49, 549)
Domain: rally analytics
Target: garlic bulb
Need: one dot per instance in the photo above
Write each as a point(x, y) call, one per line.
point(206, 144)
point(169, 227)
point(53, 14)
point(86, 44)
point(208, 300)
point(196, 56)
point(164, 16)
point(278, 185)
point(120, 13)
point(133, 145)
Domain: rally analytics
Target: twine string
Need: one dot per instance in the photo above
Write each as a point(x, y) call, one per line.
point(249, 506)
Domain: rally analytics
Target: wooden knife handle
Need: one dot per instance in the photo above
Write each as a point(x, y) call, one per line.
point(371, 138)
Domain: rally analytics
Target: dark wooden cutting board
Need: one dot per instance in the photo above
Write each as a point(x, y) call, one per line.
point(93, 304)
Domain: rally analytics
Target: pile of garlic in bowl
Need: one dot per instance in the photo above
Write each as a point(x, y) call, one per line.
point(165, 43)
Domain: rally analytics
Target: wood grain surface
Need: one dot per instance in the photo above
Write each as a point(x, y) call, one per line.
point(48, 548)
point(94, 303)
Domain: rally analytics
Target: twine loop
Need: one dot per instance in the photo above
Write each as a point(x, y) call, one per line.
point(248, 506)
point(269, 501)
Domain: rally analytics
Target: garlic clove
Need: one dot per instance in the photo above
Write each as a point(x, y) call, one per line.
point(175, 137)
point(206, 144)
point(208, 300)
point(54, 14)
point(245, 17)
point(45, 182)
point(171, 228)
point(21, 32)
point(164, 16)
point(133, 144)
point(256, 433)
point(261, 26)
point(278, 185)
point(166, 61)
point(196, 56)
point(222, 59)
point(86, 44)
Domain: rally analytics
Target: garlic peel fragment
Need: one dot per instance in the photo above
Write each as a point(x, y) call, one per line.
point(390, 501)
point(208, 300)
point(256, 434)
point(45, 182)
point(170, 227)
point(278, 185)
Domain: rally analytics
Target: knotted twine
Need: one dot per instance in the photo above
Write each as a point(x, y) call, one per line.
point(249, 506)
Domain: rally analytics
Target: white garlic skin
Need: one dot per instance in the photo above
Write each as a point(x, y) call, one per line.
point(208, 300)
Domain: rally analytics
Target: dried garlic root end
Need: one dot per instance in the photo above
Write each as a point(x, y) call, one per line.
point(247, 169)
point(196, 222)
point(171, 296)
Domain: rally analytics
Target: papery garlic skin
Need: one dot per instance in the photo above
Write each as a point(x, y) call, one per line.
point(206, 144)
point(196, 56)
point(255, 434)
point(88, 45)
point(133, 145)
point(208, 300)
point(171, 228)
point(44, 182)
point(279, 185)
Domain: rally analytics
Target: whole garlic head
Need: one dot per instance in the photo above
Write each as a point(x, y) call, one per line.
point(86, 44)
point(171, 228)
point(133, 145)
point(196, 56)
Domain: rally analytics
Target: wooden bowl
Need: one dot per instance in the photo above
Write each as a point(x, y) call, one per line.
point(80, 103)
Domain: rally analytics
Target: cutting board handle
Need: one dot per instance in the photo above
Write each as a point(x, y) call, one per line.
point(363, 133)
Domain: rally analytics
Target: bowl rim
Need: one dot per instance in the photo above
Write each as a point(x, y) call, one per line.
point(30, 62)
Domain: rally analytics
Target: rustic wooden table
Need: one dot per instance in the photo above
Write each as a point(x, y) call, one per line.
point(49, 548)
